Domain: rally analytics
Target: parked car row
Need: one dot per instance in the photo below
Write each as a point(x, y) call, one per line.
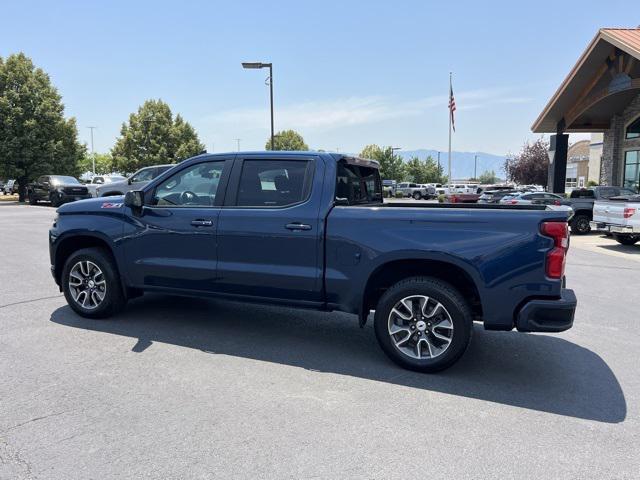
point(60, 189)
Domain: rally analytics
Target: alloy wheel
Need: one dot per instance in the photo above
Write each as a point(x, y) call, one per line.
point(87, 284)
point(420, 327)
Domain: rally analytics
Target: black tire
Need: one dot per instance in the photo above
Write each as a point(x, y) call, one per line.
point(32, 198)
point(441, 292)
point(55, 200)
point(114, 300)
point(580, 225)
point(416, 196)
point(626, 239)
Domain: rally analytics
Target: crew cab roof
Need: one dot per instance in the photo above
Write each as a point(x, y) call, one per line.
point(269, 154)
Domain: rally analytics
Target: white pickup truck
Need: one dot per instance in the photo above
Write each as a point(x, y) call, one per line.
point(619, 216)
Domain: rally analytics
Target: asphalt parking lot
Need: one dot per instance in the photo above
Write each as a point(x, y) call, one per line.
point(183, 388)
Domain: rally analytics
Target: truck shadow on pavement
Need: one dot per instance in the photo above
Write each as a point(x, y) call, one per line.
point(539, 372)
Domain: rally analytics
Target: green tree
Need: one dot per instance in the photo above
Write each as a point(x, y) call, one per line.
point(487, 177)
point(104, 163)
point(153, 136)
point(434, 173)
point(287, 140)
point(415, 171)
point(423, 171)
point(35, 138)
point(392, 167)
point(531, 165)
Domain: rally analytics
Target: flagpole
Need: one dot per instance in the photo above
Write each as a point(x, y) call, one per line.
point(450, 115)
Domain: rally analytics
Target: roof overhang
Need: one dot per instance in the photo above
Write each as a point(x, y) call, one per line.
point(601, 84)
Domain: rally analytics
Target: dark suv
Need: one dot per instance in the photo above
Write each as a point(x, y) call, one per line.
point(57, 189)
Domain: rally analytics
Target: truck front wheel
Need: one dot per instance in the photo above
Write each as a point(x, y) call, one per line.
point(91, 283)
point(423, 324)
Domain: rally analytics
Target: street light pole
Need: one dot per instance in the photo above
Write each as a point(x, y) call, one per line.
point(93, 155)
point(475, 167)
point(271, 100)
point(238, 140)
point(255, 65)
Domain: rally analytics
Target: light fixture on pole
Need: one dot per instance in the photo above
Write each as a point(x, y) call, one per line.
point(257, 65)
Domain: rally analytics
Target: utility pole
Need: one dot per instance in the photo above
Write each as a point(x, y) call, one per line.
point(238, 141)
point(93, 155)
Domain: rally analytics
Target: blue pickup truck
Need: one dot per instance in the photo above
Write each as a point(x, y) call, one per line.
point(311, 230)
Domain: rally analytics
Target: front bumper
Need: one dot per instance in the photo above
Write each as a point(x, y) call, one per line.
point(553, 315)
point(66, 198)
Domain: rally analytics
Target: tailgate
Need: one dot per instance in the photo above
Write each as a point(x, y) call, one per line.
point(609, 212)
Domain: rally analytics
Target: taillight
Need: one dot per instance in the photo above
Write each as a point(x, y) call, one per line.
point(556, 202)
point(513, 202)
point(556, 257)
point(628, 212)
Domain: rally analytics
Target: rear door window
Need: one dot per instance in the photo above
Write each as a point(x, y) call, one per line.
point(358, 184)
point(274, 183)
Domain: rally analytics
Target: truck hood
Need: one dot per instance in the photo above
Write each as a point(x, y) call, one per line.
point(93, 205)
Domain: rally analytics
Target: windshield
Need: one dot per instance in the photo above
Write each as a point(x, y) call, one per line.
point(59, 180)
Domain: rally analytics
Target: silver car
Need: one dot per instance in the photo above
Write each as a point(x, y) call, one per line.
point(103, 180)
point(528, 198)
point(134, 182)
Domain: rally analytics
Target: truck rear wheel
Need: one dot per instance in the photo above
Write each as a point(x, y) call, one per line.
point(423, 324)
point(627, 239)
point(580, 225)
point(91, 283)
point(417, 196)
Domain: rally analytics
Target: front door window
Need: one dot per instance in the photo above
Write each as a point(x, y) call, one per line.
point(632, 170)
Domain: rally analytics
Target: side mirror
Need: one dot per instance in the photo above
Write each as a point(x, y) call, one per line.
point(341, 201)
point(129, 181)
point(134, 199)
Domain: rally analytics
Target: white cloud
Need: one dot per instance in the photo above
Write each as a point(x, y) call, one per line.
point(323, 115)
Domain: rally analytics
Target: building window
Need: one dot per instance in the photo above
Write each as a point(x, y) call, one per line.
point(631, 170)
point(633, 130)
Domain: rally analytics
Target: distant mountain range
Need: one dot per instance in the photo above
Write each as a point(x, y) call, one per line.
point(462, 165)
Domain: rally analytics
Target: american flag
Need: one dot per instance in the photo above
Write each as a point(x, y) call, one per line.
point(452, 106)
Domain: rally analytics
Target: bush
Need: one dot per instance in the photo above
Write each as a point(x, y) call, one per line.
point(399, 195)
point(442, 198)
point(592, 183)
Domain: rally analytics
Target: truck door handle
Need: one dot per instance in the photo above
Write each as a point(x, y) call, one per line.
point(201, 223)
point(297, 226)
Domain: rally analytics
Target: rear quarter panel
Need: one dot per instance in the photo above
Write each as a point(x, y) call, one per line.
point(501, 250)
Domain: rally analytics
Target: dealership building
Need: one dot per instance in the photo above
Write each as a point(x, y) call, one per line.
point(601, 96)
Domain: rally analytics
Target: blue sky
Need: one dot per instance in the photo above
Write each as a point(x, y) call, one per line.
point(345, 73)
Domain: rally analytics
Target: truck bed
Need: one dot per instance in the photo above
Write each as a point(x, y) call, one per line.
point(472, 206)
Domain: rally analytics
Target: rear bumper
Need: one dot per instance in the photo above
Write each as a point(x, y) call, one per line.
point(554, 315)
point(611, 228)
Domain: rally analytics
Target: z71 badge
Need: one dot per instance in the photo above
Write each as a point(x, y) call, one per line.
point(112, 205)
